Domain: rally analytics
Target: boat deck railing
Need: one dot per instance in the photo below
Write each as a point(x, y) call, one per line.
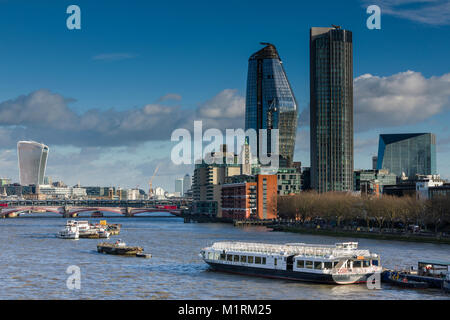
point(290, 249)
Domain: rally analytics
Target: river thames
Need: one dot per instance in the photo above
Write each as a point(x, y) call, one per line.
point(33, 263)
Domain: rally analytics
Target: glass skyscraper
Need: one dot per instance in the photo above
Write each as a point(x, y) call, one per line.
point(32, 162)
point(412, 154)
point(331, 109)
point(270, 102)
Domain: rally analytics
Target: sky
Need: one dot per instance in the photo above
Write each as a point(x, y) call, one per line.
point(106, 98)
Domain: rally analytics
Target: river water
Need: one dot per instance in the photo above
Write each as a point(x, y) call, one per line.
point(33, 263)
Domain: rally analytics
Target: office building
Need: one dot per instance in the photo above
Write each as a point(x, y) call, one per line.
point(374, 162)
point(4, 182)
point(289, 181)
point(179, 187)
point(209, 176)
point(331, 109)
point(187, 183)
point(250, 197)
point(408, 154)
point(371, 182)
point(32, 162)
point(270, 102)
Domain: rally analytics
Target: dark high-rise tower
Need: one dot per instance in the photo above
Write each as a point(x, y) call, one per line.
point(270, 102)
point(331, 98)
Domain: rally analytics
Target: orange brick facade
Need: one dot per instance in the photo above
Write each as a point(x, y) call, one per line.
point(267, 196)
point(251, 200)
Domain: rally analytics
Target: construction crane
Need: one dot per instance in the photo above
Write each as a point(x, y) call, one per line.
point(150, 190)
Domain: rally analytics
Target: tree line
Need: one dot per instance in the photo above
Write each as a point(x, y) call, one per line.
point(342, 209)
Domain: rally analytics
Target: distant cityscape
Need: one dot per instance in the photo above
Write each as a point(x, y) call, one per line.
point(406, 164)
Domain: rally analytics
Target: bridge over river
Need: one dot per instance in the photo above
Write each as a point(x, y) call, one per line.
point(72, 208)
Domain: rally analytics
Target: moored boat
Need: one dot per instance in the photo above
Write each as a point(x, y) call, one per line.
point(431, 272)
point(400, 280)
point(446, 284)
point(342, 263)
point(69, 232)
point(119, 248)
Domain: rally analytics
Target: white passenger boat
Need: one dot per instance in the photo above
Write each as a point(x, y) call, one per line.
point(342, 263)
point(82, 225)
point(69, 232)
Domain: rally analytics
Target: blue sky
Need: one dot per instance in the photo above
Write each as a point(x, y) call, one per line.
point(105, 98)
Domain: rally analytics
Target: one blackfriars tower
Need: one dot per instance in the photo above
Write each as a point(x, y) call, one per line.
point(331, 118)
point(270, 102)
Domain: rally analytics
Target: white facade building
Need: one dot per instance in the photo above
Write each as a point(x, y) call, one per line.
point(424, 183)
point(62, 192)
point(133, 194)
point(32, 158)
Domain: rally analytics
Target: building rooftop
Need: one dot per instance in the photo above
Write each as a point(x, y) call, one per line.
point(268, 52)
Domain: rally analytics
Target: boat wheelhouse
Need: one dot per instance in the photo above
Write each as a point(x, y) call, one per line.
point(342, 263)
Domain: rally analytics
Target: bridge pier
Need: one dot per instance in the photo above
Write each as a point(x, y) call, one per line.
point(66, 212)
point(128, 212)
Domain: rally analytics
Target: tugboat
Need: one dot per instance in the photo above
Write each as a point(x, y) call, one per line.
point(401, 280)
point(431, 272)
point(69, 232)
point(119, 248)
point(342, 263)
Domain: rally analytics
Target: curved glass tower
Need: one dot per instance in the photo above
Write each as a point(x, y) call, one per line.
point(270, 102)
point(32, 162)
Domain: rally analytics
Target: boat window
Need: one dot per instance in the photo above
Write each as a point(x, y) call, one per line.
point(258, 260)
point(243, 258)
point(328, 265)
point(300, 264)
point(236, 258)
point(264, 260)
point(275, 261)
point(250, 259)
point(210, 255)
point(222, 256)
point(375, 262)
point(357, 264)
point(318, 265)
point(229, 257)
point(216, 256)
point(366, 263)
point(309, 264)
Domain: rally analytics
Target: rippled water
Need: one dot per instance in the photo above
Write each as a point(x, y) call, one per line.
point(33, 263)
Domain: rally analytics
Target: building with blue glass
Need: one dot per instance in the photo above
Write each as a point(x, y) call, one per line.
point(331, 109)
point(411, 154)
point(270, 102)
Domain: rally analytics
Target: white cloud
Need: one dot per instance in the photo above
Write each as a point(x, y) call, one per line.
point(46, 116)
point(227, 104)
point(401, 99)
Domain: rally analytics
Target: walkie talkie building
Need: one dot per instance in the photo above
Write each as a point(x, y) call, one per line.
point(32, 162)
point(270, 101)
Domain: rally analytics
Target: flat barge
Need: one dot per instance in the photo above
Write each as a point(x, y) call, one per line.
point(342, 263)
point(120, 248)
